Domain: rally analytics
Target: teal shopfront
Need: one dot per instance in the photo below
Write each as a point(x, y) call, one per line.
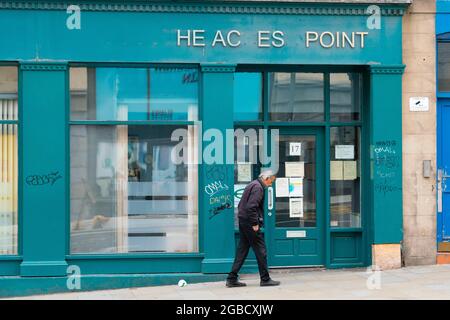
point(130, 129)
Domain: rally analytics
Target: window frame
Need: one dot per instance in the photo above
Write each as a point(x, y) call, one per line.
point(70, 123)
point(326, 125)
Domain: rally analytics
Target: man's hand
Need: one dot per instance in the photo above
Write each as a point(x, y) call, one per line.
point(255, 228)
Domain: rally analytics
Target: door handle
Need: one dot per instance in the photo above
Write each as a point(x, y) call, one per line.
point(439, 190)
point(270, 198)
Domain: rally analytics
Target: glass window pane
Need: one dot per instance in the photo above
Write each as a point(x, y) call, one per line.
point(246, 167)
point(296, 97)
point(247, 96)
point(345, 184)
point(133, 94)
point(8, 189)
point(444, 66)
point(8, 160)
point(307, 159)
point(128, 194)
point(345, 96)
point(8, 93)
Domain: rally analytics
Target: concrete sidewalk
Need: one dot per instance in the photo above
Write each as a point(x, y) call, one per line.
point(424, 282)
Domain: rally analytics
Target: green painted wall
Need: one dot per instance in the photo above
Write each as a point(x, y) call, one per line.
point(218, 213)
point(386, 153)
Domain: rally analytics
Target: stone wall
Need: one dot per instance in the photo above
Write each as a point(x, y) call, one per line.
point(419, 135)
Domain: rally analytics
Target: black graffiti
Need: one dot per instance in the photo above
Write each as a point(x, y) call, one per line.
point(191, 77)
point(40, 180)
point(215, 211)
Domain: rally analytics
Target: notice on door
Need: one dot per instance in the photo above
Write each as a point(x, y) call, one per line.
point(350, 170)
point(282, 187)
point(295, 187)
point(296, 207)
point(344, 152)
point(295, 169)
point(336, 170)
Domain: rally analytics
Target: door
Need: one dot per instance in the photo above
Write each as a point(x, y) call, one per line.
point(443, 234)
point(295, 211)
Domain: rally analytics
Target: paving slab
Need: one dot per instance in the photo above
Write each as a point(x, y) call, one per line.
point(422, 282)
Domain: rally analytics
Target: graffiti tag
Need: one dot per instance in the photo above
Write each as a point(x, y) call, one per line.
point(40, 180)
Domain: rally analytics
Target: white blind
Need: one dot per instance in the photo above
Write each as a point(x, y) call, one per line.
point(8, 178)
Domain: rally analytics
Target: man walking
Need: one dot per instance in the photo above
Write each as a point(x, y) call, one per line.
point(251, 213)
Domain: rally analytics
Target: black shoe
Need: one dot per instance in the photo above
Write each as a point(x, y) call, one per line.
point(269, 283)
point(234, 284)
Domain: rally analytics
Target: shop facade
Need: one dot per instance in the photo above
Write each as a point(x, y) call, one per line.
point(98, 99)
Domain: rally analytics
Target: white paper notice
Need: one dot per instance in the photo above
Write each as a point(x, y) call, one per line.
point(244, 172)
point(344, 152)
point(296, 187)
point(282, 187)
point(295, 148)
point(350, 170)
point(296, 207)
point(295, 169)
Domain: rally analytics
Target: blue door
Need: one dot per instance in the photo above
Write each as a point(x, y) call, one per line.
point(443, 234)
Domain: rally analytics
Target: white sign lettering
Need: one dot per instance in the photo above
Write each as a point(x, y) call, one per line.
point(272, 39)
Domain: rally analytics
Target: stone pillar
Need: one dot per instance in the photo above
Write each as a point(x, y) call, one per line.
point(43, 169)
point(419, 134)
point(386, 164)
point(217, 179)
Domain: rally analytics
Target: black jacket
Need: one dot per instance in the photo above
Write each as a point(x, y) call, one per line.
point(251, 206)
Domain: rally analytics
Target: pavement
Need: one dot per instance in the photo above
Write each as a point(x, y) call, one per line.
point(420, 282)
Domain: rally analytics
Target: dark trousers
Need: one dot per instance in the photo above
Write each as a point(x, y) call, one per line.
point(255, 240)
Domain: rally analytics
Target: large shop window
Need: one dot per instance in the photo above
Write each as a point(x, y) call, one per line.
point(444, 66)
point(8, 160)
point(133, 186)
point(345, 177)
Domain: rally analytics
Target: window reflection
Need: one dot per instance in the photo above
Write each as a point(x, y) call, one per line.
point(296, 97)
point(134, 94)
point(127, 195)
point(345, 96)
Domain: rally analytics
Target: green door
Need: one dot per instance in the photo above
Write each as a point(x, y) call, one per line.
point(294, 227)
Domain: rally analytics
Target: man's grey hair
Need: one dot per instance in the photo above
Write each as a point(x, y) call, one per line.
point(266, 174)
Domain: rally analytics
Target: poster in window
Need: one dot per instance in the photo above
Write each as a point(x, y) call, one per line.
point(282, 187)
point(295, 169)
point(295, 187)
point(296, 207)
